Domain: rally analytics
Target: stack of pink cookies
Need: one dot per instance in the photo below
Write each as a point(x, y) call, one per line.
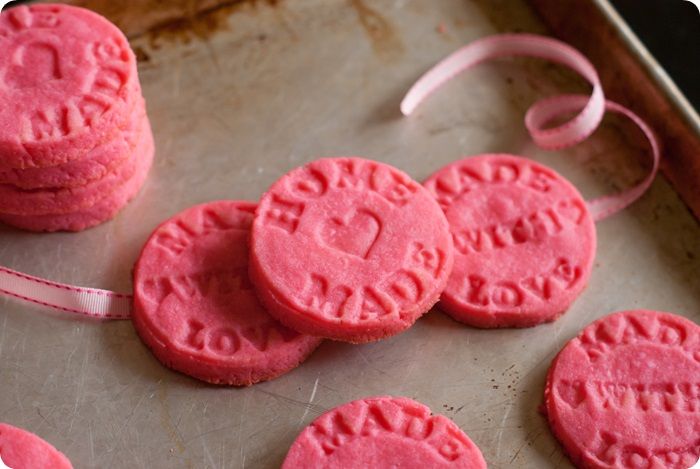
point(75, 141)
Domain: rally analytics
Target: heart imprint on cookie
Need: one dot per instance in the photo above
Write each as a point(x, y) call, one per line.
point(33, 65)
point(355, 233)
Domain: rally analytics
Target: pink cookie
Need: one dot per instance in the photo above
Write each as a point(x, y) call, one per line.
point(67, 79)
point(98, 162)
point(524, 241)
point(103, 210)
point(195, 308)
point(383, 432)
point(61, 200)
point(20, 449)
point(625, 393)
point(349, 249)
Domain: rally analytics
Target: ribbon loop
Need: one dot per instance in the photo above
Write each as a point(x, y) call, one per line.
point(589, 109)
point(605, 206)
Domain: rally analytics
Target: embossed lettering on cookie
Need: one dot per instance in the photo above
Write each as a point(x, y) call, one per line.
point(524, 240)
point(349, 249)
point(625, 393)
point(383, 432)
point(68, 78)
point(195, 307)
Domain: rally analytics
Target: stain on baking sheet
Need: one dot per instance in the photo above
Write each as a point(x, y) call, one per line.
point(201, 25)
point(170, 20)
point(507, 16)
point(169, 426)
point(141, 54)
point(384, 39)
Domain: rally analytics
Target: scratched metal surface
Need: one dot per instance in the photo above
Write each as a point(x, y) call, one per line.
point(274, 87)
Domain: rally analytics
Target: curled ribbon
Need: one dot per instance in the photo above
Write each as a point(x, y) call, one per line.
point(104, 304)
point(590, 109)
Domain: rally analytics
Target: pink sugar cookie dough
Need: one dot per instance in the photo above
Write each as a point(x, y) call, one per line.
point(383, 432)
point(349, 249)
point(20, 449)
point(524, 241)
point(61, 200)
point(67, 78)
point(625, 393)
point(104, 209)
point(195, 308)
point(96, 164)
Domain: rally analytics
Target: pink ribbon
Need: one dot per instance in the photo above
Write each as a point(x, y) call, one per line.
point(104, 304)
point(590, 108)
point(607, 205)
point(91, 302)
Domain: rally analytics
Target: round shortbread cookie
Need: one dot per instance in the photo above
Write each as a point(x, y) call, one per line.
point(523, 236)
point(20, 449)
point(104, 209)
point(195, 308)
point(349, 249)
point(67, 78)
point(61, 200)
point(383, 432)
point(625, 393)
point(96, 164)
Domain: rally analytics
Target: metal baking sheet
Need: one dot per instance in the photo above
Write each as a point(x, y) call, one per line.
point(272, 86)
